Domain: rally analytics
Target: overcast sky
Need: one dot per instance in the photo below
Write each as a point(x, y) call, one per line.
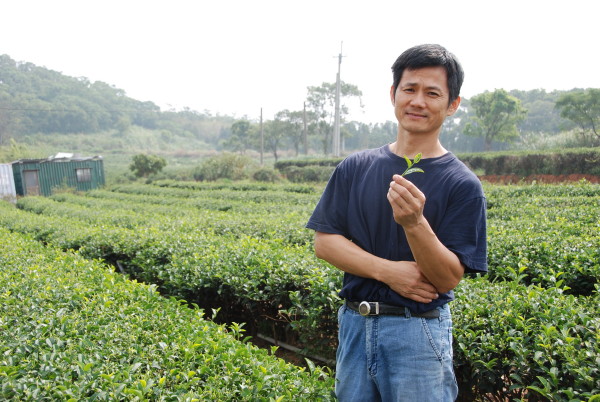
point(236, 57)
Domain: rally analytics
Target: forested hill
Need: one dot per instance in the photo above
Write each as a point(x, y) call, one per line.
point(38, 101)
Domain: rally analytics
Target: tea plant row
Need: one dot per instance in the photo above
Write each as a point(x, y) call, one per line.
point(72, 329)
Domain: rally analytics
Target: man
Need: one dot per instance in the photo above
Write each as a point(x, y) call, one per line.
point(403, 242)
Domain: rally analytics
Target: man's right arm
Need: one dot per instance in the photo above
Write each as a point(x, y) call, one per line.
point(403, 277)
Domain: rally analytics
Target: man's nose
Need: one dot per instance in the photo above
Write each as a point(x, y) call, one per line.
point(418, 99)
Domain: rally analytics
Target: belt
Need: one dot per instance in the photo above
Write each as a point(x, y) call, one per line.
point(376, 308)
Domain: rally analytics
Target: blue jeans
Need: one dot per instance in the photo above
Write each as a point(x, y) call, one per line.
point(394, 358)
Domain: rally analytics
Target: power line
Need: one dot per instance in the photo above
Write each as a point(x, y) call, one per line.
point(15, 109)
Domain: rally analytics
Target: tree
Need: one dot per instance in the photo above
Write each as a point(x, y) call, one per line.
point(542, 117)
point(321, 101)
point(8, 119)
point(14, 151)
point(143, 165)
point(496, 117)
point(240, 138)
point(582, 108)
point(274, 132)
point(293, 124)
point(362, 135)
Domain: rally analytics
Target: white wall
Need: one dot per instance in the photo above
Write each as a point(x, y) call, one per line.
point(7, 183)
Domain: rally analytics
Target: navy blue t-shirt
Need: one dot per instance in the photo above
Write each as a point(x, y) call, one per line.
point(355, 205)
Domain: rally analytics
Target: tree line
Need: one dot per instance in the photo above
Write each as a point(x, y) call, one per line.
point(37, 100)
point(493, 120)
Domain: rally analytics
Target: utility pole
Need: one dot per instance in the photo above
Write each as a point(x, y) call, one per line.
point(305, 131)
point(262, 138)
point(336, 123)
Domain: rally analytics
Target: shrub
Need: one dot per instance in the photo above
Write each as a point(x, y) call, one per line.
point(305, 174)
point(145, 165)
point(224, 166)
point(265, 175)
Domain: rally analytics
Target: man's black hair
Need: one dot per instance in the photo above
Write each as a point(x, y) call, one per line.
point(430, 56)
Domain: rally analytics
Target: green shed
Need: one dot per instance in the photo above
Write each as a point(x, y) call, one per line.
point(41, 176)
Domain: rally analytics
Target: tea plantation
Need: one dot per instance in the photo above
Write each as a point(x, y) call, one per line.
point(72, 328)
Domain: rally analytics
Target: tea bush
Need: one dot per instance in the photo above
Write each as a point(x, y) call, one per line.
point(548, 235)
point(513, 341)
point(70, 329)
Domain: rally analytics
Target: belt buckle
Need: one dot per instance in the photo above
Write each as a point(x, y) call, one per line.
point(364, 308)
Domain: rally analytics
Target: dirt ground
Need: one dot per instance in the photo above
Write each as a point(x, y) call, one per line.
point(539, 178)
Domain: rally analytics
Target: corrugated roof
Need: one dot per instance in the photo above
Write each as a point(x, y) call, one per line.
point(60, 157)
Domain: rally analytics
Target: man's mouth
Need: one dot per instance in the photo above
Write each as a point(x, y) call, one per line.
point(415, 115)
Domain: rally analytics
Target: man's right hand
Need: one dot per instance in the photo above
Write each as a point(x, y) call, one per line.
point(406, 279)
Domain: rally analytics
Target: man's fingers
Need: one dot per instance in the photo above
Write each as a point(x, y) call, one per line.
point(428, 287)
point(401, 192)
point(422, 293)
point(398, 194)
point(399, 183)
point(427, 298)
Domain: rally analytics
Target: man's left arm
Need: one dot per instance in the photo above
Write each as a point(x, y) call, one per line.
point(438, 264)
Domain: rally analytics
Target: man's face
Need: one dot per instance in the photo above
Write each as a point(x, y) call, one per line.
point(421, 100)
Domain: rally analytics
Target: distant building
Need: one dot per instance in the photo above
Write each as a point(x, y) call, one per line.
point(42, 176)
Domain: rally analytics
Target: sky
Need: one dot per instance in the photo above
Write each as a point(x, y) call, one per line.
point(238, 57)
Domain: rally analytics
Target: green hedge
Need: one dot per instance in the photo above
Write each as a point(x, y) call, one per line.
point(71, 330)
point(307, 170)
point(304, 174)
point(519, 163)
point(327, 162)
point(578, 161)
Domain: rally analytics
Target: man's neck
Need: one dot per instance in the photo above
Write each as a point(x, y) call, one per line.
point(411, 146)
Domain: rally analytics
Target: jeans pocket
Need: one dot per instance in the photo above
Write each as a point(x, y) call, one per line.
point(341, 313)
point(439, 334)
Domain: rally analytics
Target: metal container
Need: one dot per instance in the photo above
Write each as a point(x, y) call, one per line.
point(44, 176)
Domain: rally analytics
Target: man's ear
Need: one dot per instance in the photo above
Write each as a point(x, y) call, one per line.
point(453, 106)
point(393, 95)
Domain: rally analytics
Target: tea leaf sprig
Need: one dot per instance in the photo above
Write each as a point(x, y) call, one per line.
point(410, 169)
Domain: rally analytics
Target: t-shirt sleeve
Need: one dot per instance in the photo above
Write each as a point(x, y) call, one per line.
point(330, 214)
point(464, 233)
